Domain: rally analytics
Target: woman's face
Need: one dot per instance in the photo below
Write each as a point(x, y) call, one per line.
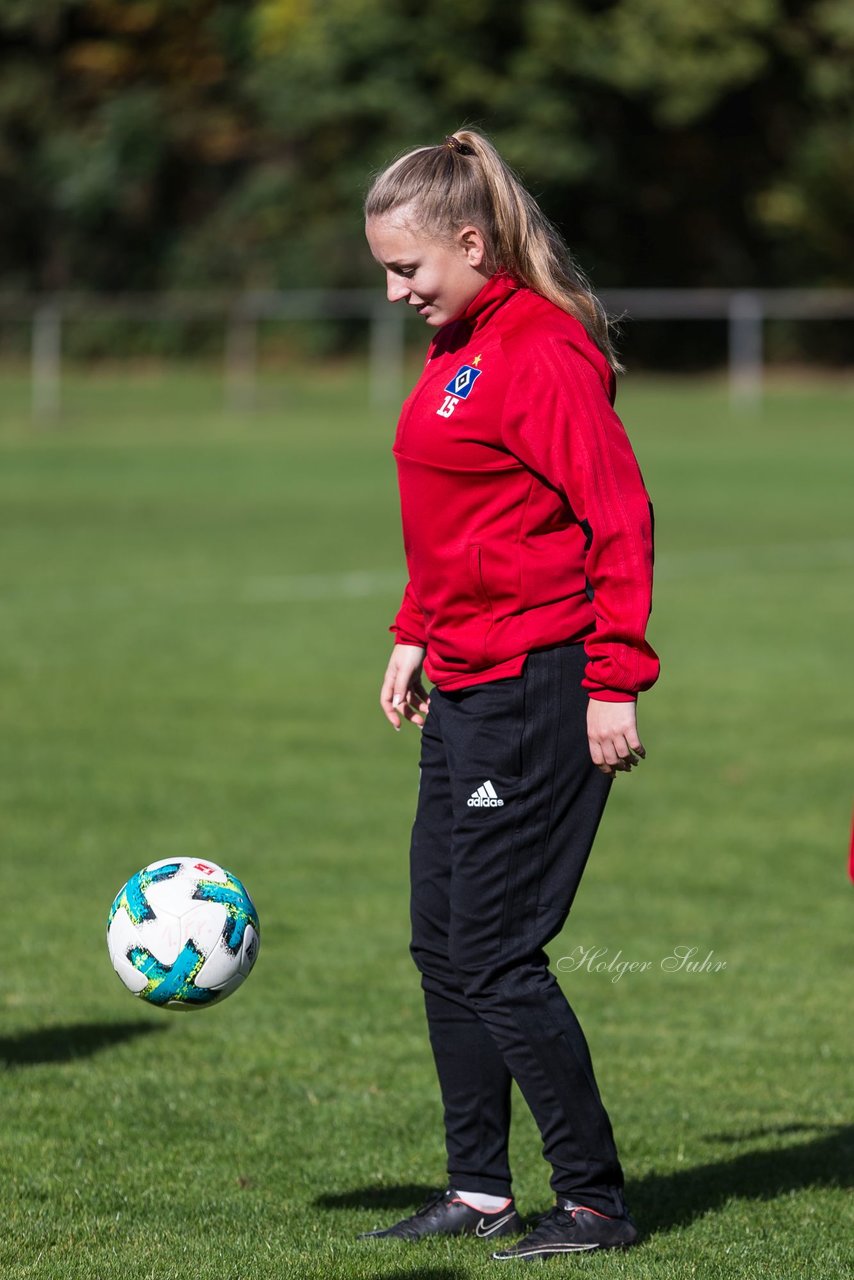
point(439, 278)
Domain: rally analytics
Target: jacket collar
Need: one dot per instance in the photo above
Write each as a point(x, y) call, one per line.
point(459, 331)
point(496, 291)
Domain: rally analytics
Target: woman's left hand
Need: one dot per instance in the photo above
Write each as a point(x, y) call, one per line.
point(612, 732)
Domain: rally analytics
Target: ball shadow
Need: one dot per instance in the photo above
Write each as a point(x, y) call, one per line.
point(65, 1042)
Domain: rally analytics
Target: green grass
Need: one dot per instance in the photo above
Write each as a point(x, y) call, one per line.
point(184, 671)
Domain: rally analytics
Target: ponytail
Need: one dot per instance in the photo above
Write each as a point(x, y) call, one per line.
point(465, 180)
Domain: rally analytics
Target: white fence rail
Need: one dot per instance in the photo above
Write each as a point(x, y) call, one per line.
point(743, 310)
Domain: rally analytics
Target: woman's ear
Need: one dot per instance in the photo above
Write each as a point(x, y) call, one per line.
point(471, 241)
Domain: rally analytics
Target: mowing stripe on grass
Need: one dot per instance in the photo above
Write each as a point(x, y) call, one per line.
point(357, 584)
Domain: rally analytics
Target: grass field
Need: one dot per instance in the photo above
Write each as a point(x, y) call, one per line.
point(193, 612)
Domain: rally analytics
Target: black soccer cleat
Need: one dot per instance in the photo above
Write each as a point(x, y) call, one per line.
point(572, 1228)
point(445, 1214)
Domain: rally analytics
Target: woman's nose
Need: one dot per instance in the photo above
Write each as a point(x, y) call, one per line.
point(396, 289)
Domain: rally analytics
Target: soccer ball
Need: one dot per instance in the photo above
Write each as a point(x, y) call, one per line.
point(183, 933)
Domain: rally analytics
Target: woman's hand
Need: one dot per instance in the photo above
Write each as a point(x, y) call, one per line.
point(402, 692)
point(613, 736)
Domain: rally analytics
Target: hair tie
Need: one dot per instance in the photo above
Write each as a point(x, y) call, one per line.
point(461, 148)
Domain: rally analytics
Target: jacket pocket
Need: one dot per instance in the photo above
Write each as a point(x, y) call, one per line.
point(481, 593)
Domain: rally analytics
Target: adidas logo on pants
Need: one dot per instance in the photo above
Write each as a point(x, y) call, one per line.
point(486, 797)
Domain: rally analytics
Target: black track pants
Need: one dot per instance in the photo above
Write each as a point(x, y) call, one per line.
point(508, 806)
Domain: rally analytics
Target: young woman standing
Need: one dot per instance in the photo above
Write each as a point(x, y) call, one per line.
point(528, 538)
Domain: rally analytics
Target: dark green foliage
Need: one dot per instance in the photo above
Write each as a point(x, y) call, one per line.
point(149, 144)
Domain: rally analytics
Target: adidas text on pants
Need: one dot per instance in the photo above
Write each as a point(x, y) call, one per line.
point(486, 797)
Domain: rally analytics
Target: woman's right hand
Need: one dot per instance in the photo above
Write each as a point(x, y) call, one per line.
point(402, 692)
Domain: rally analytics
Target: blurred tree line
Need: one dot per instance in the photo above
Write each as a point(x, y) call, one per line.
point(156, 144)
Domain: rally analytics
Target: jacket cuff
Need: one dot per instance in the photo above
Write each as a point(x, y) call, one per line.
point(403, 635)
point(611, 695)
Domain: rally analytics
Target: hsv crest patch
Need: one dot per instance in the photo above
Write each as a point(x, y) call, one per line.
point(462, 382)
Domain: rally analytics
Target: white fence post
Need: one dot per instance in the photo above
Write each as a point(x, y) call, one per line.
point(241, 357)
point(46, 360)
point(387, 354)
point(745, 348)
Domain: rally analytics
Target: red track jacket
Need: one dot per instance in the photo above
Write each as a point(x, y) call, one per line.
point(526, 523)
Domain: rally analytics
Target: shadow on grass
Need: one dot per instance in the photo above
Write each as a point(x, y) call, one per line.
point(406, 1196)
point(422, 1273)
point(63, 1043)
point(661, 1202)
point(734, 1138)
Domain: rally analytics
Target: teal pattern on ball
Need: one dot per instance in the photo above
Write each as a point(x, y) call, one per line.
point(172, 983)
point(239, 907)
point(133, 896)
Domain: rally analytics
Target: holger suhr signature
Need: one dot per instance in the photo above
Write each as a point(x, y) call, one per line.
point(682, 959)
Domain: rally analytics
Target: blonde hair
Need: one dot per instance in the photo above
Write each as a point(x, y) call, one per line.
point(465, 180)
